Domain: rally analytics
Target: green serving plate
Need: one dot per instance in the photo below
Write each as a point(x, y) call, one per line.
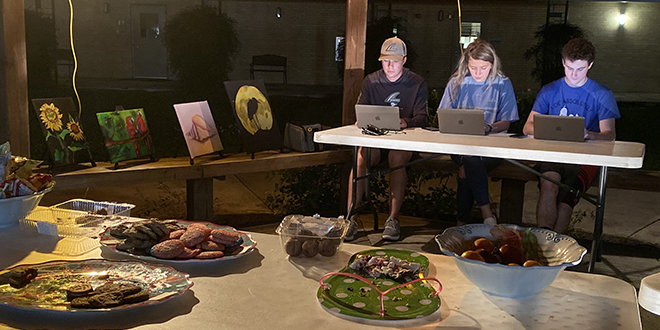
point(348, 296)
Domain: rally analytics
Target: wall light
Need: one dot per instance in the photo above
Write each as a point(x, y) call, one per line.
point(622, 19)
point(278, 12)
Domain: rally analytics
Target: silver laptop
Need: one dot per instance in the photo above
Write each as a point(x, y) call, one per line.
point(560, 128)
point(381, 116)
point(461, 121)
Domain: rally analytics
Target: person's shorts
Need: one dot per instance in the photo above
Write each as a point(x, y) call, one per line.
point(578, 177)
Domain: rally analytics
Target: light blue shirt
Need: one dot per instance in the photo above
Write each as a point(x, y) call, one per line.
point(497, 100)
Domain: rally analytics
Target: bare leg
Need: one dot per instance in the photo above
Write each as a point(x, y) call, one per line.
point(546, 209)
point(361, 170)
point(564, 212)
point(398, 180)
point(486, 212)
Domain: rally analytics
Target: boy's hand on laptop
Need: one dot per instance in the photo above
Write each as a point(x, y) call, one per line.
point(403, 123)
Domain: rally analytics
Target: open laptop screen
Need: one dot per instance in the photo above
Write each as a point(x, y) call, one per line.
point(461, 121)
point(381, 116)
point(560, 128)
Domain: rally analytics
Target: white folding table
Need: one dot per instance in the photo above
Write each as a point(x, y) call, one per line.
point(267, 290)
point(619, 154)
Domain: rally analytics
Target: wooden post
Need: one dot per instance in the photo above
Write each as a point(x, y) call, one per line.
point(199, 193)
point(356, 36)
point(14, 116)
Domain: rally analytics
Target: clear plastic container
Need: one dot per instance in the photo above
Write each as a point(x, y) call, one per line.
point(62, 223)
point(305, 236)
point(99, 208)
point(76, 218)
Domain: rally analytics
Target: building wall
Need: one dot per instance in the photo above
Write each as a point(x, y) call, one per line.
point(627, 56)
point(102, 40)
point(305, 33)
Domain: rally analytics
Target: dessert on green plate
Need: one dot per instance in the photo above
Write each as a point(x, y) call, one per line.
point(383, 284)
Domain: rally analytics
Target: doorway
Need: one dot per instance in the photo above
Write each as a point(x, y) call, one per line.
point(149, 53)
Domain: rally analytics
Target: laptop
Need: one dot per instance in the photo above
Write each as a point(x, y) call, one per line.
point(560, 128)
point(381, 116)
point(461, 121)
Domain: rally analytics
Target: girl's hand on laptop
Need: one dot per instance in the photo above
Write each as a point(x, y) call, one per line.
point(402, 123)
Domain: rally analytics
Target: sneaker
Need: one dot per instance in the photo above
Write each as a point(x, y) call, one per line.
point(392, 229)
point(491, 221)
point(352, 230)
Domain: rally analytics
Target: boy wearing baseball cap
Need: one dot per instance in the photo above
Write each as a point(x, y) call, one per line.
point(395, 86)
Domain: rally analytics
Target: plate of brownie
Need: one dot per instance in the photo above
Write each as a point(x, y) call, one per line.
point(177, 241)
point(90, 285)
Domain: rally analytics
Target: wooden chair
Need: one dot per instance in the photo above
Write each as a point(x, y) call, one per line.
point(268, 63)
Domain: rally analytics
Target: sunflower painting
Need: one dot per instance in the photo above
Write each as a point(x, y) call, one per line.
point(126, 134)
point(62, 129)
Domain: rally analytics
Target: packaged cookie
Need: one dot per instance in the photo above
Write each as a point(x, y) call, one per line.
point(305, 236)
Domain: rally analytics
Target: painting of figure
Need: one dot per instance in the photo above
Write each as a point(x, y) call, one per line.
point(60, 123)
point(126, 134)
point(198, 128)
point(254, 115)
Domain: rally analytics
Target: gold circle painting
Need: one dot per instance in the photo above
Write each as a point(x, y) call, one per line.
point(262, 118)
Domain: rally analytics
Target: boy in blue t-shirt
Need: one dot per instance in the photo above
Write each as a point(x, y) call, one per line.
point(573, 95)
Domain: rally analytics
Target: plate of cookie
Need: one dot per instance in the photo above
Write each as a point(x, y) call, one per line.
point(177, 241)
point(90, 285)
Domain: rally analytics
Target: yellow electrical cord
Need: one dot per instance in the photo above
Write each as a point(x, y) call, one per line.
point(460, 26)
point(75, 59)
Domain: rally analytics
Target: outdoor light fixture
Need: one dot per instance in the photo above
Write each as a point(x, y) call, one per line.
point(278, 12)
point(622, 19)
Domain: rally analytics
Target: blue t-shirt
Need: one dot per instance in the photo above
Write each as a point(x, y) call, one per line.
point(592, 101)
point(497, 99)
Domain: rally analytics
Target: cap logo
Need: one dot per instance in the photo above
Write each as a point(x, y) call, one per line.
point(391, 48)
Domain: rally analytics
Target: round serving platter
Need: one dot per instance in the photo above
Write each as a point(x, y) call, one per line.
point(48, 290)
point(248, 245)
point(347, 296)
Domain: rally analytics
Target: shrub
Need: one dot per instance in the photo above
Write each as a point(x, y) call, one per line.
point(547, 51)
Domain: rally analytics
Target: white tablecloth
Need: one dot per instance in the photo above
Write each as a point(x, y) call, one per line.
point(267, 290)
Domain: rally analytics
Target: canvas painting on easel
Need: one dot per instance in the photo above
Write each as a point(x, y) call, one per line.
point(254, 115)
point(198, 128)
point(126, 134)
point(64, 134)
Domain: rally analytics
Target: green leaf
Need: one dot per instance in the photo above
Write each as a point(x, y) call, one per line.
point(74, 148)
point(59, 156)
point(64, 133)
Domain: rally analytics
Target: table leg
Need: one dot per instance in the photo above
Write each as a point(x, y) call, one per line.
point(367, 195)
point(351, 207)
point(598, 225)
point(199, 199)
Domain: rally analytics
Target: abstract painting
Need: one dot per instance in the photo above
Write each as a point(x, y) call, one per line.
point(198, 128)
point(254, 115)
point(61, 126)
point(126, 134)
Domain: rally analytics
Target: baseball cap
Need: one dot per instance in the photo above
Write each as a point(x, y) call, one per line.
point(393, 49)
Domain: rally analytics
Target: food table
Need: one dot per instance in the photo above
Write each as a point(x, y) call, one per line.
point(619, 154)
point(267, 290)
